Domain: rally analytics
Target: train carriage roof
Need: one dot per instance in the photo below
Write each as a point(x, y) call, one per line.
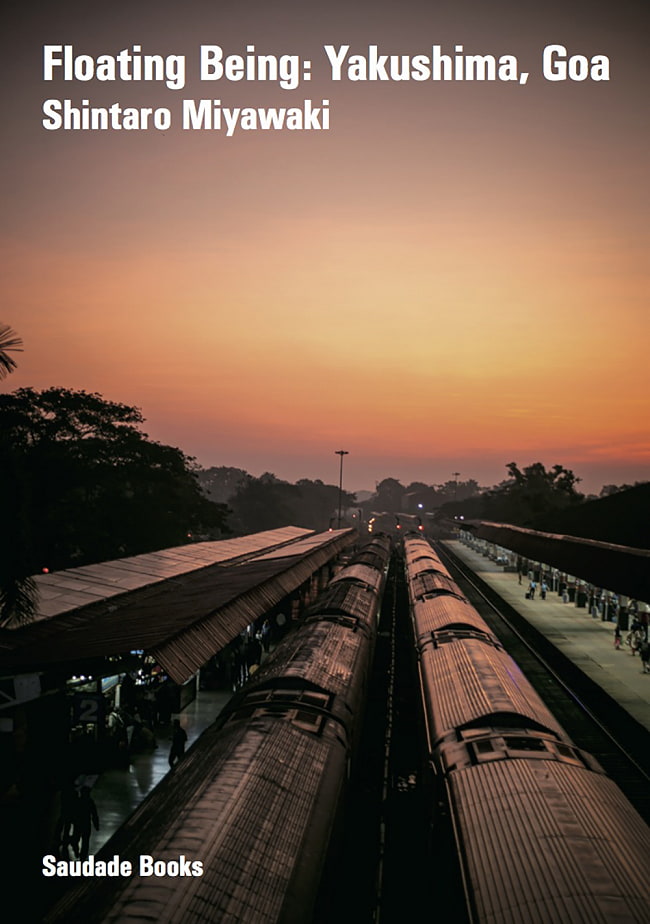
point(424, 565)
point(446, 612)
point(344, 599)
point(362, 574)
point(547, 841)
point(323, 654)
point(468, 681)
point(432, 582)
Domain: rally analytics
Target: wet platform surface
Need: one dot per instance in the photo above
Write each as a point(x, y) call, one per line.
point(118, 791)
point(586, 640)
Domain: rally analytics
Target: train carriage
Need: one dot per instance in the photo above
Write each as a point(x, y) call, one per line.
point(543, 836)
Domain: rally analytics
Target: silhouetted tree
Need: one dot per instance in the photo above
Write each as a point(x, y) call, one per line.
point(263, 503)
point(390, 493)
point(318, 504)
point(458, 490)
point(83, 483)
point(269, 503)
point(527, 497)
point(221, 482)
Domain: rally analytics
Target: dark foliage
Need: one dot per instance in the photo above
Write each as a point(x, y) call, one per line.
point(220, 482)
point(82, 483)
point(527, 495)
point(621, 517)
point(268, 503)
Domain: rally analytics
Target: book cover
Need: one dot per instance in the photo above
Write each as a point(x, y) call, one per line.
point(345, 243)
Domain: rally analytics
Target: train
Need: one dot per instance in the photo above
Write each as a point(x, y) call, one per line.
point(239, 830)
point(542, 834)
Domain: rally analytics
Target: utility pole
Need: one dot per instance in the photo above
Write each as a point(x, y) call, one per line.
point(341, 453)
point(455, 474)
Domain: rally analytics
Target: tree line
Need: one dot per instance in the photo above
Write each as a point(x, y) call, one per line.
point(82, 483)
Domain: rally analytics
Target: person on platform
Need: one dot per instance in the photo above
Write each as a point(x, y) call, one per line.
point(65, 824)
point(179, 739)
point(633, 633)
point(266, 636)
point(85, 813)
point(644, 650)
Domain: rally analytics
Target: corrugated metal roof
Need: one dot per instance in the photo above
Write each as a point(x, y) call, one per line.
point(426, 564)
point(364, 574)
point(431, 582)
point(65, 590)
point(472, 680)
point(605, 565)
point(326, 655)
point(308, 542)
point(442, 611)
point(342, 598)
point(182, 620)
point(545, 841)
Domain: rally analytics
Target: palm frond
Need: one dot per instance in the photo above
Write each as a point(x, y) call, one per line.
point(9, 342)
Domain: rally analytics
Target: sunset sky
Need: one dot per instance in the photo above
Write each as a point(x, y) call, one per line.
point(452, 277)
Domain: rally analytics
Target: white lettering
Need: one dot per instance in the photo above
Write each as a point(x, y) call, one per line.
point(126, 65)
point(558, 65)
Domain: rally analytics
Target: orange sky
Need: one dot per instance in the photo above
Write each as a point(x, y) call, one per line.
point(453, 277)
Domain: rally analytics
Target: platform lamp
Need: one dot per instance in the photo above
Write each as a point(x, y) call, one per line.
point(341, 453)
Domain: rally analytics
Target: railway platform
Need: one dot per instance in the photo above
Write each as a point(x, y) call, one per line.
point(118, 791)
point(586, 640)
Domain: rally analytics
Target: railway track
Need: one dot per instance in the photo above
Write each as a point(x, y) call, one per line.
point(590, 716)
point(398, 854)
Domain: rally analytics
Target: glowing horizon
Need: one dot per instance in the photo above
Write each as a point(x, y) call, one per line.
point(452, 277)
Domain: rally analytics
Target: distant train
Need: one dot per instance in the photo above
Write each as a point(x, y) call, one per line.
point(542, 834)
point(255, 799)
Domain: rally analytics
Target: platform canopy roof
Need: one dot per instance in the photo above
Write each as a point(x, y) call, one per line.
point(180, 615)
point(617, 568)
point(69, 589)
